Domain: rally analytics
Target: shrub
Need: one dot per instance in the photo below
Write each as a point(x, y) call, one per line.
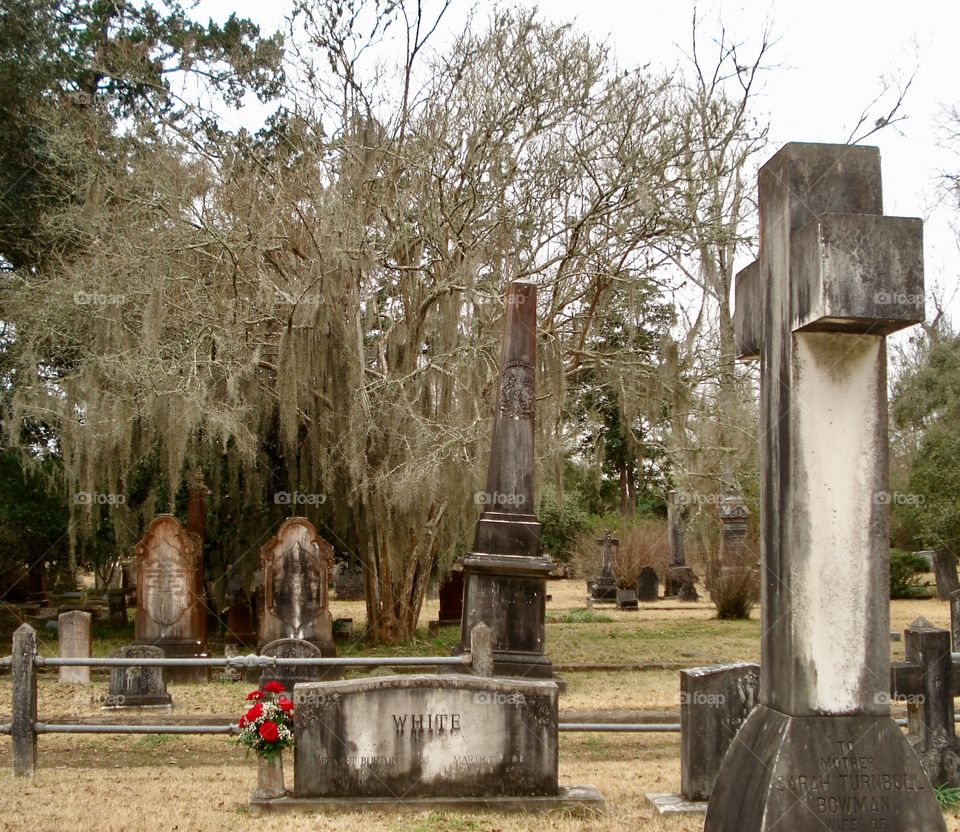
point(905, 571)
point(562, 522)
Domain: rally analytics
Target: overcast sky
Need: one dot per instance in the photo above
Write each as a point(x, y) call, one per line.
point(828, 62)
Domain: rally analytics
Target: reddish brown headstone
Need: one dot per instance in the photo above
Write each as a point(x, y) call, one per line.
point(170, 612)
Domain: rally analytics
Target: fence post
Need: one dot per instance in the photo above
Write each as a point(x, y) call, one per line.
point(481, 650)
point(955, 618)
point(24, 672)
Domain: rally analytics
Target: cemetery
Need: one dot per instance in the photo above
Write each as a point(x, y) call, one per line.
point(541, 448)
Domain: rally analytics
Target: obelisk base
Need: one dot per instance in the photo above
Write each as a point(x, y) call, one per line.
point(796, 774)
point(508, 593)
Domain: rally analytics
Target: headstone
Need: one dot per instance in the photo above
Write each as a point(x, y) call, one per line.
point(945, 569)
point(927, 555)
point(137, 687)
point(833, 278)
point(295, 648)
point(426, 735)
point(76, 642)
point(714, 702)
point(170, 611)
point(348, 584)
point(684, 581)
point(451, 597)
point(604, 586)
point(627, 599)
point(240, 627)
point(648, 585)
point(232, 674)
point(505, 575)
point(733, 518)
point(296, 565)
point(117, 603)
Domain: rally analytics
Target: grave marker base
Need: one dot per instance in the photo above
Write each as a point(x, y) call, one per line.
point(584, 797)
point(821, 772)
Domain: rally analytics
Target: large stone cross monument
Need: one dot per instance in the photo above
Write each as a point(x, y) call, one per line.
point(505, 574)
point(833, 278)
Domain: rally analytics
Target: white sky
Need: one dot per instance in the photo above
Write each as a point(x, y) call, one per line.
point(827, 65)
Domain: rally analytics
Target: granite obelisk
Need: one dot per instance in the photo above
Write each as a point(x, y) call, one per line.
point(505, 574)
point(833, 278)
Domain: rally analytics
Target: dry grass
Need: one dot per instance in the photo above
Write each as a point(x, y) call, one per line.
point(202, 783)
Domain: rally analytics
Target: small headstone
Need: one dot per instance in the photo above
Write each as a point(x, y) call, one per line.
point(240, 628)
point(714, 702)
point(627, 599)
point(348, 584)
point(137, 687)
point(74, 636)
point(295, 648)
point(451, 598)
point(685, 579)
point(648, 585)
point(437, 735)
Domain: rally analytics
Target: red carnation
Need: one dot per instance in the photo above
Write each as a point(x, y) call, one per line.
point(285, 704)
point(274, 687)
point(254, 695)
point(242, 723)
point(254, 713)
point(269, 731)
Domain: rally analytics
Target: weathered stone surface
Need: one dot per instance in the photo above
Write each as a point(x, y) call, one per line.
point(170, 609)
point(648, 585)
point(137, 687)
point(627, 599)
point(296, 566)
point(426, 736)
point(797, 774)
point(451, 597)
point(945, 570)
point(24, 711)
point(75, 642)
point(604, 586)
point(714, 702)
point(505, 574)
point(673, 804)
point(295, 648)
point(834, 278)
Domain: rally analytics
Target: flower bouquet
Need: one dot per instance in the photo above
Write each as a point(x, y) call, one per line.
point(267, 728)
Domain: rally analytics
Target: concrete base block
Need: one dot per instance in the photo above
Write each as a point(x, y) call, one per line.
point(585, 797)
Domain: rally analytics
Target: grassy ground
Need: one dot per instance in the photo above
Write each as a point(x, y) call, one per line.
point(202, 783)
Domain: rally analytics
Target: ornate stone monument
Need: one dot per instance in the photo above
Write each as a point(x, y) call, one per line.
point(170, 611)
point(604, 586)
point(296, 564)
point(833, 278)
point(505, 575)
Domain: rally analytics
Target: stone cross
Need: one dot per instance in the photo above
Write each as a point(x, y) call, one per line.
point(505, 575)
point(608, 541)
point(833, 278)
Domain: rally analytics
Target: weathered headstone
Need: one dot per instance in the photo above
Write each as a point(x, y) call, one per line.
point(648, 585)
point(505, 575)
point(684, 580)
point(833, 278)
point(945, 569)
point(714, 702)
point(296, 565)
point(240, 627)
point(627, 599)
point(295, 648)
point(76, 642)
point(451, 597)
point(137, 687)
point(426, 735)
point(604, 586)
point(170, 611)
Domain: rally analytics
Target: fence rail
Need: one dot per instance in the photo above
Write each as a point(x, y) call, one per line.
point(253, 661)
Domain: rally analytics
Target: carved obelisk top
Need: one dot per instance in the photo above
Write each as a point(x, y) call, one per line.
point(508, 525)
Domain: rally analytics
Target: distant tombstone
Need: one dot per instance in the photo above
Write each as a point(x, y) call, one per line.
point(295, 648)
point(927, 555)
point(604, 587)
point(117, 604)
point(648, 585)
point(678, 556)
point(945, 569)
point(684, 579)
point(170, 612)
point(714, 702)
point(137, 687)
point(451, 597)
point(627, 599)
point(348, 584)
point(296, 565)
point(240, 628)
point(73, 630)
